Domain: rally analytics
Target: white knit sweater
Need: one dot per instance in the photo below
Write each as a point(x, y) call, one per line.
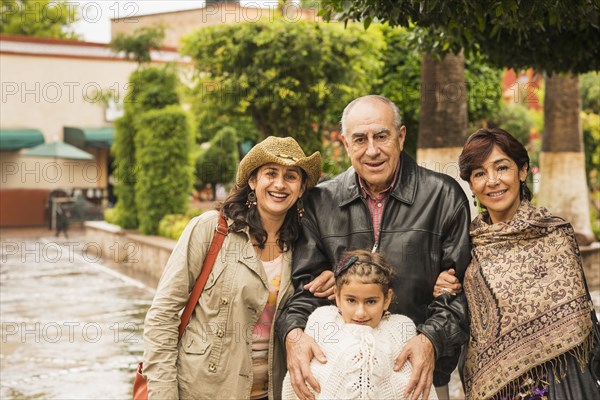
point(360, 359)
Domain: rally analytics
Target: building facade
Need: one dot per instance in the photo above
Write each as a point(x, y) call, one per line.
point(51, 93)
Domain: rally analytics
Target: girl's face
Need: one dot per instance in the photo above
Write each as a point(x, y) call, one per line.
point(362, 303)
point(497, 185)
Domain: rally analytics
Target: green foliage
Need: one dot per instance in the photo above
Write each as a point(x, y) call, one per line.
point(163, 143)
point(557, 37)
point(217, 163)
point(484, 87)
point(595, 220)
point(149, 88)
point(139, 44)
point(589, 87)
point(310, 4)
point(335, 160)
point(172, 225)
point(401, 82)
point(516, 120)
point(42, 18)
point(125, 173)
point(210, 120)
point(109, 216)
point(291, 79)
point(590, 124)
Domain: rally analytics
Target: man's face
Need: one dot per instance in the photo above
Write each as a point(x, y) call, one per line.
point(373, 143)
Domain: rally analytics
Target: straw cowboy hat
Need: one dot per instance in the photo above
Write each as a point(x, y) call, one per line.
point(283, 151)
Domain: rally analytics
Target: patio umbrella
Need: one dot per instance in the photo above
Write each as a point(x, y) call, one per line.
point(58, 150)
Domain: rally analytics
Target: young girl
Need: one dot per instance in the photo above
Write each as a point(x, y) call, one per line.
point(359, 337)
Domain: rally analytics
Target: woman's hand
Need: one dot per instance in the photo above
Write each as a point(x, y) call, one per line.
point(322, 285)
point(447, 283)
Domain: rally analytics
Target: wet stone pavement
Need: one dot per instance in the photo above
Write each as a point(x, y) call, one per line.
point(71, 327)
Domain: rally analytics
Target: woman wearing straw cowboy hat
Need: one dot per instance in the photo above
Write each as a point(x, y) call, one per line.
point(228, 349)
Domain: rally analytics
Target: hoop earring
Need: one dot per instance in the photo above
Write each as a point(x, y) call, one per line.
point(251, 202)
point(300, 209)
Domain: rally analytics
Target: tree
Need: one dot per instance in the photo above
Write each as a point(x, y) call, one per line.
point(401, 82)
point(217, 163)
point(140, 43)
point(556, 38)
point(443, 117)
point(42, 18)
point(512, 33)
point(291, 79)
point(149, 88)
point(163, 144)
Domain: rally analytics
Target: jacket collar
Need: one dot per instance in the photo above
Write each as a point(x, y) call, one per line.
point(405, 189)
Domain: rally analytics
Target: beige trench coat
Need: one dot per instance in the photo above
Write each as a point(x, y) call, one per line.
point(213, 358)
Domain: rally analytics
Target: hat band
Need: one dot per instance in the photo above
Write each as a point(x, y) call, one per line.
point(287, 156)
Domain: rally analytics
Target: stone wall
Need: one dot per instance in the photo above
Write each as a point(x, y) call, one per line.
point(129, 249)
point(149, 254)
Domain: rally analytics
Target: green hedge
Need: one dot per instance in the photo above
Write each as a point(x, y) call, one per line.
point(172, 225)
point(163, 153)
point(218, 162)
point(123, 150)
point(149, 88)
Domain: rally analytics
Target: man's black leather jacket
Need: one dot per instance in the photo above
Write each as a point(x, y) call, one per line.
point(424, 230)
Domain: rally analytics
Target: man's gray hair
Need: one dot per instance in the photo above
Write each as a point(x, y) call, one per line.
point(395, 110)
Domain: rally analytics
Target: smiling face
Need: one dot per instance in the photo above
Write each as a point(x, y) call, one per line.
point(277, 189)
point(496, 183)
point(373, 143)
point(362, 303)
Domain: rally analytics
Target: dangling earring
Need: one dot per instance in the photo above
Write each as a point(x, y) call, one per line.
point(300, 208)
point(386, 314)
point(523, 188)
point(251, 202)
point(474, 199)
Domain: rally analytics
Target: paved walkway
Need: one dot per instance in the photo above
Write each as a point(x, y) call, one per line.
point(71, 327)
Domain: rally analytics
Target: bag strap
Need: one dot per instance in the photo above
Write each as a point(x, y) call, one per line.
point(209, 261)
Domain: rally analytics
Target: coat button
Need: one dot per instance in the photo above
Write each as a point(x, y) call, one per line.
point(220, 333)
point(224, 301)
point(212, 367)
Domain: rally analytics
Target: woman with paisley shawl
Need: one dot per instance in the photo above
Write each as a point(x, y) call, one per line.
point(531, 325)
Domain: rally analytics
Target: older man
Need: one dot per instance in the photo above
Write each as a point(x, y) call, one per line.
point(416, 218)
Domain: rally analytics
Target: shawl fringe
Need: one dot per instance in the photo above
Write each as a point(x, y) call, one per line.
point(536, 375)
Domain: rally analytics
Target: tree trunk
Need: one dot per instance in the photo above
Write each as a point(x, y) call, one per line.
point(443, 118)
point(563, 184)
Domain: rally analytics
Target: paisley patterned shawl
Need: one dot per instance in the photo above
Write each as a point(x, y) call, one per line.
point(527, 301)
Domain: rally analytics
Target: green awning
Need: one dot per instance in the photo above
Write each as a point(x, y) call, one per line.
point(89, 137)
point(16, 139)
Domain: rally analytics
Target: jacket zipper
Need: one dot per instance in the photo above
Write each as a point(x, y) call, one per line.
point(375, 242)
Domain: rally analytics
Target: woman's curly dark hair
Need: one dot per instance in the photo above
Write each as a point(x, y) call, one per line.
point(234, 207)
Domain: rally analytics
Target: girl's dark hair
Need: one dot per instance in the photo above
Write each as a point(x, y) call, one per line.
point(234, 207)
point(480, 145)
point(368, 268)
